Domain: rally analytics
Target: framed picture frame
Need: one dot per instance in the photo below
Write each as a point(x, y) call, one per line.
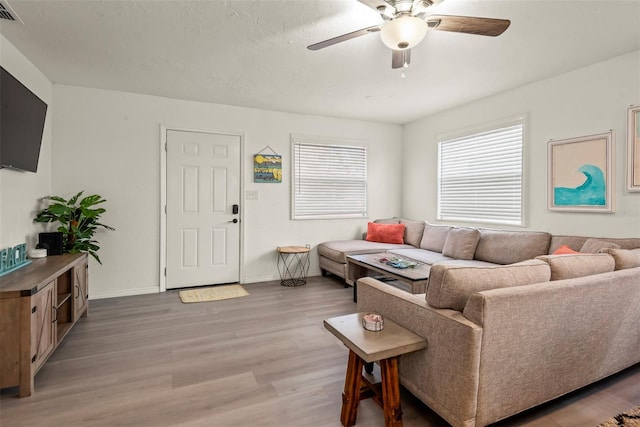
point(633, 148)
point(267, 168)
point(580, 174)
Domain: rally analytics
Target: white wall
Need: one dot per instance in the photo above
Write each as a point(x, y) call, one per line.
point(108, 142)
point(586, 101)
point(20, 191)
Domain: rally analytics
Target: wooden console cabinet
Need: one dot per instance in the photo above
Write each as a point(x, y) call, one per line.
point(39, 304)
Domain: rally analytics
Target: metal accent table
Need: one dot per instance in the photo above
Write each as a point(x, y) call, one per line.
point(293, 265)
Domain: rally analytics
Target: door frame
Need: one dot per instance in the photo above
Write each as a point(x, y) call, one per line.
point(163, 197)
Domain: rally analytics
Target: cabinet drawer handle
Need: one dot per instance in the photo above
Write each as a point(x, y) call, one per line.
point(55, 310)
point(78, 293)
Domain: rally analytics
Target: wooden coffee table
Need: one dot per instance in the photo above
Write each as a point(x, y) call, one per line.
point(385, 346)
point(361, 265)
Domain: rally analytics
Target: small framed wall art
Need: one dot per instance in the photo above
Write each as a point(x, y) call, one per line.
point(633, 148)
point(580, 176)
point(267, 168)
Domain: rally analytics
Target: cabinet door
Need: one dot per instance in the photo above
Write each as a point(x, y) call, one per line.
point(80, 289)
point(43, 330)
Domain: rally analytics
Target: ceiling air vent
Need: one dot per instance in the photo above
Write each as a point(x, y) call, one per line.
point(7, 13)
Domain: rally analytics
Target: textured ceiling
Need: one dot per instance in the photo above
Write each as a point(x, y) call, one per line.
point(253, 53)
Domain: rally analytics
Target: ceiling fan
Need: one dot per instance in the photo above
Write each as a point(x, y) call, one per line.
point(407, 22)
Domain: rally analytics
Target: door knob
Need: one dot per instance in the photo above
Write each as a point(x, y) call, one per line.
point(234, 220)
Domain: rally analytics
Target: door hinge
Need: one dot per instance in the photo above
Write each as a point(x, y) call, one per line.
point(34, 309)
point(165, 209)
point(165, 271)
point(165, 147)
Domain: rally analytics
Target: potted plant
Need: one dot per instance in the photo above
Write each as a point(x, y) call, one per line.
point(79, 220)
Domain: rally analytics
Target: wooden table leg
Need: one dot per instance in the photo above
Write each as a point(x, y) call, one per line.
point(391, 392)
point(351, 395)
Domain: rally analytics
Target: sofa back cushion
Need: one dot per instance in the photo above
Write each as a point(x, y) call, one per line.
point(509, 247)
point(393, 220)
point(461, 243)
point(577, 242)
point(570, 266)
point(593, 246)
point(434, 237)
point(412, 232)
point(385, 233)
point(450, 286)
point(624, 258)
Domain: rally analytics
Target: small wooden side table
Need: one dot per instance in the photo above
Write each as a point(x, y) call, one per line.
point(293, 265)
point(385, 346)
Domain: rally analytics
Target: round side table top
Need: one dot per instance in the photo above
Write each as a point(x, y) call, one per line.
point(293, 249)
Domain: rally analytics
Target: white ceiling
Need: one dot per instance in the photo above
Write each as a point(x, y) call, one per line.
point(253, 53)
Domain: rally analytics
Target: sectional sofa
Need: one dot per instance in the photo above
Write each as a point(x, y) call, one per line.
point(515, 325)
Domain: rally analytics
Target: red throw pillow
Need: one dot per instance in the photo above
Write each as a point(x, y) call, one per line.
point(564, 250)
point(385, 233)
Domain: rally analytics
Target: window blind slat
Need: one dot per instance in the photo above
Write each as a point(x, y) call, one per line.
point(480, 176)
point(329, 181)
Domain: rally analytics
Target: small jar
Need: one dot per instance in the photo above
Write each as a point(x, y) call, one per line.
point(373, 322)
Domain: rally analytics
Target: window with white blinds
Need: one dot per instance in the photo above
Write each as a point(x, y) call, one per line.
point(329, 181)
point(480, 176)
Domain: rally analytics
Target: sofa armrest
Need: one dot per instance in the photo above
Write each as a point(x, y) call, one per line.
point(445, 374)
point(543, 340)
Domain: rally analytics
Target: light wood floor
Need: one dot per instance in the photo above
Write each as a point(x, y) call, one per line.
point(261, 360)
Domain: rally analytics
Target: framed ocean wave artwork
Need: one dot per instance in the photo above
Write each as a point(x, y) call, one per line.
point(580, 175)
point(633, 148)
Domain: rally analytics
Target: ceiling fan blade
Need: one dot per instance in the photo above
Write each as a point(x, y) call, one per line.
point(382, 7)
point(344, 37)
point(468, 24)
point(400, 57)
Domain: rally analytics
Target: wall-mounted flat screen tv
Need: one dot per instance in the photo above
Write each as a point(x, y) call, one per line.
point(22, 116)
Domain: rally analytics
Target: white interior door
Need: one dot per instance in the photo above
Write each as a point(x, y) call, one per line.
point(203, 196)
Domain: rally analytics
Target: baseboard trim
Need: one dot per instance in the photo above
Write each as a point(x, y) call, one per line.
point(156, 289)
point(124, 292)
point(265, 278)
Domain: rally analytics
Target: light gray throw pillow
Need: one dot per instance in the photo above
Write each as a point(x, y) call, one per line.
point(451, 285)
point(624, 258)
point(593, 246)
point(412, 232)
point(434, 237)
point(461, 243)
point(570, 266)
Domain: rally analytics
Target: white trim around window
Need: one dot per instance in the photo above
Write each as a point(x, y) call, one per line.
point(481, 175)
point(328, 179)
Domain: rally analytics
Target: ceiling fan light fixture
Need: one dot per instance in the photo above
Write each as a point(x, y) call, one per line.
point(403, 32)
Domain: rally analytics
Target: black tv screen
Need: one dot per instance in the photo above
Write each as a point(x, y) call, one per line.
point(22, 116)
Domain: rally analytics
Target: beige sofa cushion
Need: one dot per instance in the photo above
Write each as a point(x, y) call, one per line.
point(571, 266)
point(394, 220)
point(434, 237)
point(508, 247)
point(338, 250)
point(461, 243)
point(593, 246)
point(450, 286)
point(624, 258)
point(420, 255)
point(413, 231)
point(576, 242)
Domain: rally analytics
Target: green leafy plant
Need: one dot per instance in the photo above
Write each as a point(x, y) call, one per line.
point(79, 220)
